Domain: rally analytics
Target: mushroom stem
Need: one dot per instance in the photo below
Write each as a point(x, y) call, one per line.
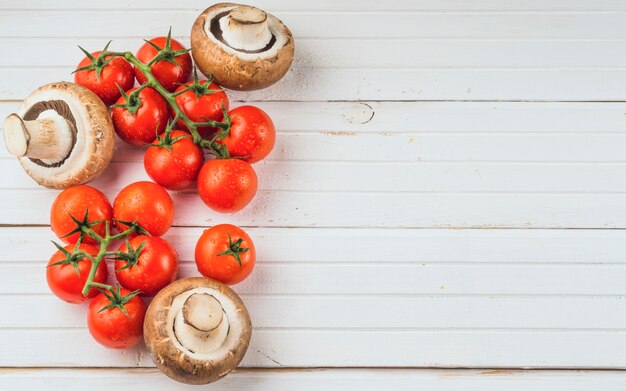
point(202, 312)
point(48, 137)
point(246, 28)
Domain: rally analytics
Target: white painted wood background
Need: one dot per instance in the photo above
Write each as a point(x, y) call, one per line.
point(448, 190)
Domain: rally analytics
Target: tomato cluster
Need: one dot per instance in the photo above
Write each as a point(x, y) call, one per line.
point(83, 218)
point(177, 119)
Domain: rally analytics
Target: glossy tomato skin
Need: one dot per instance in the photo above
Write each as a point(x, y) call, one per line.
point(199, 109)
point(111, 327)
point(168, 74)
point(66, 283)
point(224, 268)
point(156, 266)
point(227, 185)
point(146, 203)
point(75, 201)
point(252, 134)
point(176, 168)
point(141, 128)
point(118, 72)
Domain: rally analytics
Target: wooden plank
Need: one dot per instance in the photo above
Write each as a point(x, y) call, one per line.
point(456, 118)
point(386, 279)
point(397, 24)
point(378, 246)
point(372, 209)
point(329, 348)
point(363, 53)
point(399, 84)
point(139, 379)
point(368, 313)
point(376, 177)
point(346, 5)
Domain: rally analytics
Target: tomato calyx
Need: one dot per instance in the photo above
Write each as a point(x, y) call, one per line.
point(234, 249)
point(133, 226)
point(97, 63)
point(84, 227)
point(133, 102)
point(117, 300)
point(131, 256)
point(166, 53)
point(71, 258)
point(166, 140)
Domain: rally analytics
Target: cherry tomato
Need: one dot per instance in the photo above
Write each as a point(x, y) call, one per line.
point(66, 282)
point(252, 134)
point(176, 168)
point(112, 327)
point(225, 253)
point(75, 201)
point(146, 203)
point(227, 185)
point(150, 118)
point(118, 72)
point(152, 265)
point(203, 107)
point(168, 74)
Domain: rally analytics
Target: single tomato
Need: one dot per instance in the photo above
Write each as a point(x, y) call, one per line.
point(103, 75)
point(78, 202)
point(116, 321)
point(141, 119)
point(201, 103)
point(176, 166)
point(67, 275)
point(227, 185)
point(252, 134)
point(225, 253)
point(167, 73)
point(151, 264)
point(145, 203)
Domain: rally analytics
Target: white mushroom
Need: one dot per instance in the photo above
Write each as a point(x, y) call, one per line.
point(243, 47)
point(62, 135)
point(197, 330)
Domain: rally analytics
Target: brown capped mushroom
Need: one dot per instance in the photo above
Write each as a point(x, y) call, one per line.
point(197, 330)
point(243, 47)
point(62, 135)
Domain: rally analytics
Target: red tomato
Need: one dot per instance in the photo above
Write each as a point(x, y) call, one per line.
point(168, 74)
point(112, 327)
point(118, 72)
point(152, 265)
point(252, 134)
point(146, 203)
point(227, 185)
point(225, 253)
point(75, 201)
point(176, 168)
point(203, 107)
point(150, 118)
point(66, 282)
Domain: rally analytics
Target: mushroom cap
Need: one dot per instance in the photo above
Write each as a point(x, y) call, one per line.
point(232, 68)
point(94, 139)
point(174, 359)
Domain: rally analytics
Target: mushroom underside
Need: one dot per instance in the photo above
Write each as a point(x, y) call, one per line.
point(242, 47)
point(199, 334)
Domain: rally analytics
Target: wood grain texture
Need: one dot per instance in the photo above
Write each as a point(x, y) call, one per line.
point(446, 191)
point(313, 380)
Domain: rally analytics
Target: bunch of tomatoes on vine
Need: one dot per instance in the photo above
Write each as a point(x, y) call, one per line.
point(178, 122)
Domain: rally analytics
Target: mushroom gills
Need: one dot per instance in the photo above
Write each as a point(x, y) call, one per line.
point(201, 326)
point(247, 31)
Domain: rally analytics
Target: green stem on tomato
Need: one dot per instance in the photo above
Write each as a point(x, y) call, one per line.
point(102, 254)
point(171, 100)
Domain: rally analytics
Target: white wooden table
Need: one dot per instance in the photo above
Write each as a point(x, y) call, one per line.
point(448, 190)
